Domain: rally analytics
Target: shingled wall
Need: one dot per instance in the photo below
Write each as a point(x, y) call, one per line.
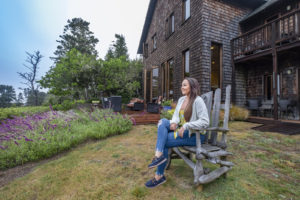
point(210, 21)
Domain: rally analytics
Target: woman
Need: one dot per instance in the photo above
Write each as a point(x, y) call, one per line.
point(190, 113)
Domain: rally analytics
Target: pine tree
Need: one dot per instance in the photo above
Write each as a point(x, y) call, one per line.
point(76, 35)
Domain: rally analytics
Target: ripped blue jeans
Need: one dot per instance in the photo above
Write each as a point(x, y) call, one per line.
point(166, 140)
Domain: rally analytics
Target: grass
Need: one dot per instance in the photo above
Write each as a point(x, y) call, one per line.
point(21, 111)
point(267, 167)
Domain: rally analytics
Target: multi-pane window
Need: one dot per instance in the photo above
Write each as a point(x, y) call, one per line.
point(170, 77)
point(155, 82)
point(154, 42)
point(186, 63)
point(170, 25)
point(186, 9)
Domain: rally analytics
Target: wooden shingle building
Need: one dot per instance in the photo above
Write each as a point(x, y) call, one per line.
point(252, 45)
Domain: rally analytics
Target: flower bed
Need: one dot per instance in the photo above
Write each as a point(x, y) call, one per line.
point(21, 111)
point(30, 138)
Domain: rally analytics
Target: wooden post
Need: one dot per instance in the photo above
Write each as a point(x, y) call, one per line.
point(275, 72)
point(233, 75)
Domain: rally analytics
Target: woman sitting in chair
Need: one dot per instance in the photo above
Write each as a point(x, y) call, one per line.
point(190, 113)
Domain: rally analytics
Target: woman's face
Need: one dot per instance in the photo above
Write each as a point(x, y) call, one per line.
point(185, 88)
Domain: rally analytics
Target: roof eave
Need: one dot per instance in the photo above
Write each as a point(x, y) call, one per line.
point(147, 23)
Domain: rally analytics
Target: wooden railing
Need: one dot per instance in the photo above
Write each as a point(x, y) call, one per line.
point(285, 29)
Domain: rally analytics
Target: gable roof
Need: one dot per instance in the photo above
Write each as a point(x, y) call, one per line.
point(260, 9)
point(252, 4)
point(147, 23)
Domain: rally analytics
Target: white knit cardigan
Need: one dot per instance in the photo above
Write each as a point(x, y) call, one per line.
point(199, 118)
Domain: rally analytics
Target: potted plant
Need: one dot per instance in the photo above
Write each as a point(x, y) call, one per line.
point(167, 104)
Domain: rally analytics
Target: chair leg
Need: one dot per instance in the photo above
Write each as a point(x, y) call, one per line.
point(169, 158)
point(224, 158)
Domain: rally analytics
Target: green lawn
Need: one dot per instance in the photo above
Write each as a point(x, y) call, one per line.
point(267, 167)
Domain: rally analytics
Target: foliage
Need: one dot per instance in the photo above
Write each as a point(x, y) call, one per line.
point(7, 95)
point(68, 104)
point(74, 75)
point(167, 114)
point(119, 76)
point(32, 95)
point(76, 35)
point(119, 47)
point(21, 111)
point(167, 103)
point(30, 77)
point(20, 99)
point(236, 114)
point(43, 135)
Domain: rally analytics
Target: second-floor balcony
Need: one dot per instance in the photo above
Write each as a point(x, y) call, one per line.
point(284, 31)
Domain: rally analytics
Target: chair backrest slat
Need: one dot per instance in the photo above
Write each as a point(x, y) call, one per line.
point(215, 115)
point(227, 107)
point(207, 98)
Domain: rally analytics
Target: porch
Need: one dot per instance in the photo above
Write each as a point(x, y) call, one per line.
point(142, 117)
point(287, 127)
point(266, 68)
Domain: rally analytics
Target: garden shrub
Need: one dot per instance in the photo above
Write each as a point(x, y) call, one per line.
point(30, 138)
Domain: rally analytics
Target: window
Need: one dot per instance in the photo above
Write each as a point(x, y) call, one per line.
point(154, 42)
point(170, 65)
point(170, 25)
point(145, 50)
point(147, 85)
point(216, 65)
point(163, 74)
point(186, 63)
point(155, 80)
point(186, 10)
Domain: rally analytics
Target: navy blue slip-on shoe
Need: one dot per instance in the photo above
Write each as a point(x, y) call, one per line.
point(157, 161)
point(153, 182)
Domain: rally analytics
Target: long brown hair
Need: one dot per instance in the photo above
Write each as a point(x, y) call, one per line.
point(194, 91)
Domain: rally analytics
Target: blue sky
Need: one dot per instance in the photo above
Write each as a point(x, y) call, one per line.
point(31, 25)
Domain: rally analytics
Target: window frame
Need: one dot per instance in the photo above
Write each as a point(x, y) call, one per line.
point(170, 25)
point(184, 7)
point(154, 41)
point(220, 45)
point(184, 63)
point(146, 50)
point(158, 91)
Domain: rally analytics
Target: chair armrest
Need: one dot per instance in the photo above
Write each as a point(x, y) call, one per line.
point(218, 129)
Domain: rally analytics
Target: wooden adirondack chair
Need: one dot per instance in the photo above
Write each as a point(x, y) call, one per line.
point(214, 149)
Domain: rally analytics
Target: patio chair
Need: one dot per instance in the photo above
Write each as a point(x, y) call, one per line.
point(253, 105)
point(214, 149)
point(116, 103)
point(105, 102)
point(285, 106)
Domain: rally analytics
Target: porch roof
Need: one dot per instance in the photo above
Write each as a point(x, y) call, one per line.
point(260, 9)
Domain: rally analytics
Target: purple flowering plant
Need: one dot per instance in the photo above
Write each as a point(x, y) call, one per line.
point(42, 135)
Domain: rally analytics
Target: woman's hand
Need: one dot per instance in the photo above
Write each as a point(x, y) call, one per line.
point(173, 126)
point(180, 132)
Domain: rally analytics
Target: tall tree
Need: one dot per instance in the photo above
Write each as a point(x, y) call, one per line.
point(76, 35)
point(74, 75)
point(110, 54)
point(118, 48)
point(7, 95)
point(31, 97)
point(20, 99)
point(30, 77)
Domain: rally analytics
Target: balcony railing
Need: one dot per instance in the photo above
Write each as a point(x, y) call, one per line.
point(285, 29)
